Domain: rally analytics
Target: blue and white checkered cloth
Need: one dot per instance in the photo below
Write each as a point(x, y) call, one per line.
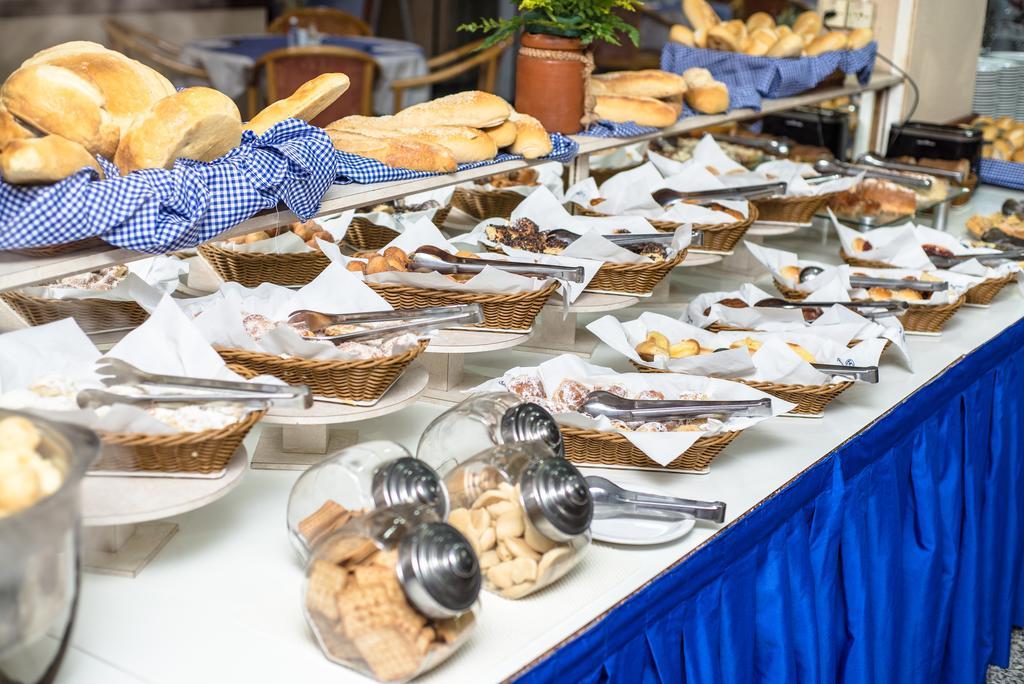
point(750, 79)
point(1002, 173)
point(353, 168)
point(159, 210)
point(612, 129)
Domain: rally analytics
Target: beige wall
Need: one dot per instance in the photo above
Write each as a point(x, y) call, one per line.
point(22, 36)
point(946, 39)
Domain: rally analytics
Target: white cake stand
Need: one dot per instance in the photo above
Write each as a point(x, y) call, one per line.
point(555, 332)
point(123, 516)
point(296, 438)
point(445, 359)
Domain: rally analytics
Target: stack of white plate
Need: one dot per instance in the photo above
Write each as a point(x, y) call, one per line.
point(1017, 58)
point(986, 85)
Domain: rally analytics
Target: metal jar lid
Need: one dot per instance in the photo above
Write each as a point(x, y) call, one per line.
point(531, 422)
point(556, 498)
point(439, 570)
point(409, 480)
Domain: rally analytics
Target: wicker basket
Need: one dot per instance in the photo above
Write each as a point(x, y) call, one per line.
point(601, 175)
point(809, 399)
point(192, 452)
point(717, 327)
point(862, 263)
point(983, 293)
point(798, 210)
point(486, 204)
point(596, 448)
point(253, 269)
point(789, 292)
point(638, 279)
point(366, 236)
point(92, 315)
point(515, 311)
point(720, 237)
point(351, 382)
point(929, 319)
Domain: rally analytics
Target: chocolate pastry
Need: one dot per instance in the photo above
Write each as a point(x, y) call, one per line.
point(937, 250)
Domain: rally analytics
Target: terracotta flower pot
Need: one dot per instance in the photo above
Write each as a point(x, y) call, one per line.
point(551, 89)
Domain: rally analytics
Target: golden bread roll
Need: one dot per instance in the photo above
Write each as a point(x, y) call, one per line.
point(765, 35)
point(830, 42)
point(311, 98)
point(403, 154)
point(1018, 156)
point(712, 98)
point(466, 144)
point(987, 152)
point(471, 108)
point(44, 160)
point(1002, 150)
point(760, 20)
point(503, 135)
point(859, 38)
point(647, 350)
point(737, 27)
point(982, 120)
point(808, 38)
point(700, 37)
point(58, 101)
point(989, 132)
point(697, 76)
point(700, 14)
point(195, 123)
point(532, 140)
point(790, 273)
point(752, 46)
point(787, 46)
point(645, 111)
point(11, 129)
point(783, 31)
point(1015, 137)
point(1005, 123)
point(682, 34)
point(721, 38)
point(807, 22)
point(643, 83)
point(684, 349)
point(129, 87)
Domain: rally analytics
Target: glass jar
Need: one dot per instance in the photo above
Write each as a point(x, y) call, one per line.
point(392, 593)
point(356, 479)
point(39, 549)
point(481, 422)
point(526, 512)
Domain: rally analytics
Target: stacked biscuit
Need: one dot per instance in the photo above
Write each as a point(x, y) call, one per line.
point(361, 615)
point(760, 36)
point(1004, 138)
point(69, 104)
point(516, 558)
point(439, 135)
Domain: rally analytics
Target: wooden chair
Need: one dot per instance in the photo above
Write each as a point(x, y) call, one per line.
point(283, 71)
point(151, 48)
point(447, 65)
point(325, 19)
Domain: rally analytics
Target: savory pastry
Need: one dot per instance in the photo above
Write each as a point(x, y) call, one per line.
point(750, 343)
point(509, 179)
point(937, 250)
point(791, 273)
point(683, 349)
point(862, 245)
point(104, 280)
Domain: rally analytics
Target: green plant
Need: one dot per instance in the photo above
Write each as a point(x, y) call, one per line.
point(588, 20)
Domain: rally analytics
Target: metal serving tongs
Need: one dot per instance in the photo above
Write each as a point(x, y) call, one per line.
point(666, 196)
point(770, 145)
point(877, 161)
point(810, 272)
point(866, 309)
point(432, 258)
point(947, 262)
point(614, 407)
point(461, 315)
point(612, 501)
point(117, 372)
point(620, 239)
point(830, 166)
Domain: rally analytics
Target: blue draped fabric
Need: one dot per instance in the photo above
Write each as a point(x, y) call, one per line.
point(897, 558)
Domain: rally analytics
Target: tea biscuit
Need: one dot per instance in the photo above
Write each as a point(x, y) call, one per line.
point(326, 580)
point(390, 654)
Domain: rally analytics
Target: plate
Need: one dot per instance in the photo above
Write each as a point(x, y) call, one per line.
point(640, 531)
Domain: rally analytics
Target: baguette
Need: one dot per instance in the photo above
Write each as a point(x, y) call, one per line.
point(700, 14)
point(834, 40)
point(44, 160)
point(645, 111)
point(10, 129)
point(129, 87)
point(682, 34)
point(196, 123)
point(503, 134)
point(644, 83)
point(404, 154)
point(58, 101)
point(466, 144)
point(311, 98)
point(787, 46)
point(859, 38)
point(532, 140)
point(808, 22)
point(471, 108)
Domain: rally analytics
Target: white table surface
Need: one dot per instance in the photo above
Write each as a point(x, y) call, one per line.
point(220, 603)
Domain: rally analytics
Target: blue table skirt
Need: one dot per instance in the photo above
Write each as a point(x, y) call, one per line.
point(897, 558)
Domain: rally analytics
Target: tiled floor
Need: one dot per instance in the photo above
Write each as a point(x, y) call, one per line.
point(1015, 673)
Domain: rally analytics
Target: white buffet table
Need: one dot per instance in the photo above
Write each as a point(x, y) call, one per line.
point(221, 602)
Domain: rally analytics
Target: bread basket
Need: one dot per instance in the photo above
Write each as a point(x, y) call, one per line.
point(92, 314)
point(720, 237)
point(634, 279)
point(799, 210)
point(597, 448)
point(512, 312)
point(370, 237)
point(252, 269)
point(485, 204)
point(359, 382)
